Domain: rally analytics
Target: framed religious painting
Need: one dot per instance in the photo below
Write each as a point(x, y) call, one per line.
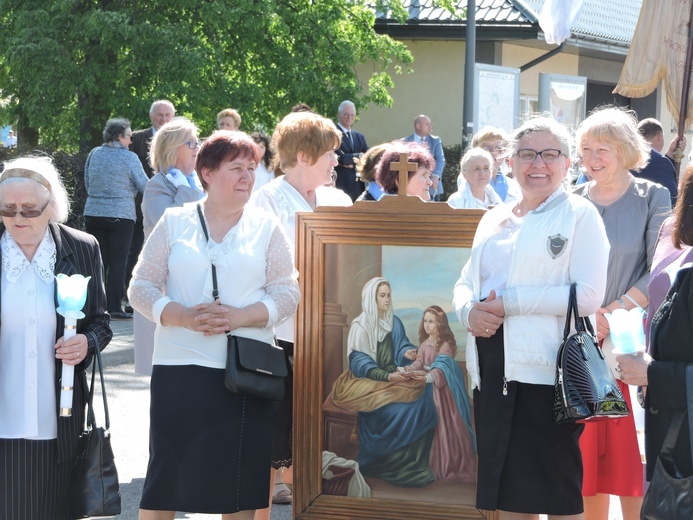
point(383, 422)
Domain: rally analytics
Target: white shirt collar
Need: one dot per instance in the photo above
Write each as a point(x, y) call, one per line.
point(14, 261)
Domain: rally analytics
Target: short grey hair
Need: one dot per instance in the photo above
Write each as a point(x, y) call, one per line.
point(162, 102)
point(543, 123)
point(58, 199)
point(114, 129)
point(345, 103)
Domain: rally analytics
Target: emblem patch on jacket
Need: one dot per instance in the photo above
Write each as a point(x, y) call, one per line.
point(556, 245)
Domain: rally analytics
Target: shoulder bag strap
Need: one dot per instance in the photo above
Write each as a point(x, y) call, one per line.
point(91, 419)
point(215, 289)
point(689, 400)
point(572, 309)
point(672, 435)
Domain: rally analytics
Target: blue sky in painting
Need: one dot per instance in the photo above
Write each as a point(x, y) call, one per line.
point(423, 276)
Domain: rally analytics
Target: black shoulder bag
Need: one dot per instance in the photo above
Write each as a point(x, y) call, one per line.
point(585, 387)
point(94, 487)
point(253, 368)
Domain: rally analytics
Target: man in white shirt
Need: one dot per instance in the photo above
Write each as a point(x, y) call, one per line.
point(11, 140)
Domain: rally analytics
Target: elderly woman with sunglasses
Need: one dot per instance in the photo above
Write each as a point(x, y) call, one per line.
point(172, 154)
point(512, 296)
point(37, 447)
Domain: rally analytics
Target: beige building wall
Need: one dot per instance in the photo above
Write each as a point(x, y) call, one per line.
point(435, 87)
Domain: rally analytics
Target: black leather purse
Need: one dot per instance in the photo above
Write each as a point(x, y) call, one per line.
point(585, 388)
point(94, 488)
point(253, 368)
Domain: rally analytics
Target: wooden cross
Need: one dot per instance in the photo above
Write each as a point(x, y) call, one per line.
point(403, 166)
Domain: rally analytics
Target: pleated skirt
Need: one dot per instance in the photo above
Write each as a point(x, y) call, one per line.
point(209, 449)
point(32, 484)
point(526, 464)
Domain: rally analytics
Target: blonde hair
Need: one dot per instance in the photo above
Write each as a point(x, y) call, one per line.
point(164, 150)
point(367, 164)
point(489, 134)
point(58, 199)
point(617, 127)
point(232, 113)
point(304, 132)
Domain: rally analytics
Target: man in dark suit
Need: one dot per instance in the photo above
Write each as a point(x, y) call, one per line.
point(660, 168)
point(353, 146)
point(160, 113)
point(422, 135)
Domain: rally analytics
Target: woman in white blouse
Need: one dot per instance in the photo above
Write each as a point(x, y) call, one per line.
point(37, 447)
point(473, 188)
point(305, 144)
point(210, 449)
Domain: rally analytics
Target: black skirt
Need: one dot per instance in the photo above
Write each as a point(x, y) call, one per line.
point(527, 464)
point(209, 449)
point(32, 484)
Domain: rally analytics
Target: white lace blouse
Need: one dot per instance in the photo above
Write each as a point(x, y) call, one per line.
point(27, 336)
point(253, 263)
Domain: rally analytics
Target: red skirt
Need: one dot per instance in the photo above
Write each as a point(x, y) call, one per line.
point(610, 456)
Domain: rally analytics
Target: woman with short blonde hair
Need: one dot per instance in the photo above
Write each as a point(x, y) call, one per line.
point(173, 154)
point(633, 210)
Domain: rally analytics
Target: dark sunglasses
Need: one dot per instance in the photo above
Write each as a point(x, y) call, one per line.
point(27, 213)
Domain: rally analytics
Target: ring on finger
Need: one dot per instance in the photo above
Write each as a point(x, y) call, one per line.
point(618, 368)
point(621, 376)
point(486, 331)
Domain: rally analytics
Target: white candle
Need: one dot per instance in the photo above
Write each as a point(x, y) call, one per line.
point(72, 294)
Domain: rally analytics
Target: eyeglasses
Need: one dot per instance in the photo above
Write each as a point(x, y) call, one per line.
point(549, 156)
point(193, 145)
point(27, 213)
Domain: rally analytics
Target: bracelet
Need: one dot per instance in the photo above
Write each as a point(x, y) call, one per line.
point(632, 300)
point(621, 303)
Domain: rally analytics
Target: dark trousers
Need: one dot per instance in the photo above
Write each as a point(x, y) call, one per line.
point(114, 236)
point(135, 249)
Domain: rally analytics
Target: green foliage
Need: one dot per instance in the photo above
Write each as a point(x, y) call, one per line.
point(66, 66)
point(453, 156)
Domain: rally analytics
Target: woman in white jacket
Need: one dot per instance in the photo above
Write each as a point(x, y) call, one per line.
point(512, 296)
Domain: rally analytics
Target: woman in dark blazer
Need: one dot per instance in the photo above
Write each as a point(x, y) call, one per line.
point(36, 444)
point(663, 368)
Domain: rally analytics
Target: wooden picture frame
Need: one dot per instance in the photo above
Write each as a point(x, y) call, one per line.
point(331, 246)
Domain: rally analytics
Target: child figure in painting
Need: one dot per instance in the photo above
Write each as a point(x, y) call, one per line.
point(452, 454)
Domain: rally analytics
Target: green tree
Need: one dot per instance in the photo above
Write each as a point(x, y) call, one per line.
point(66, 66)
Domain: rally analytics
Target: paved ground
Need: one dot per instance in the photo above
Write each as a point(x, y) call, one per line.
point(128, 403)
point(129, 407)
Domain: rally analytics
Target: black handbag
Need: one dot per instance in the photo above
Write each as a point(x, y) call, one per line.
point(253, 368)
point(670, 495)
point(585, 388)
point(94, 487)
